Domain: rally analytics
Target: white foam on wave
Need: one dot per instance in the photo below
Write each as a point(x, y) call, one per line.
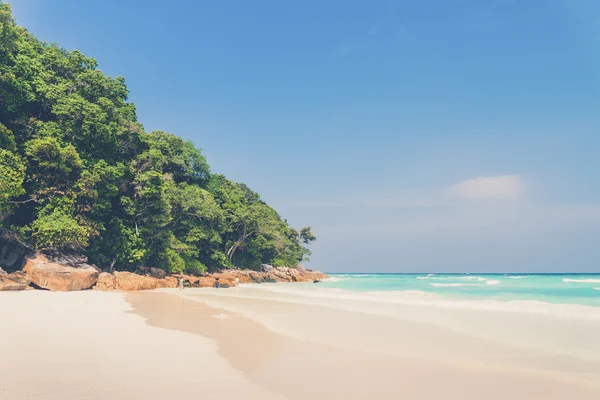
point(597, 288)
point(472, 278)
point(581, 280)
point(516, 277)
point(450, 284)
point(429, 299)
point(430, 276)
point(437, 278)
point(479, 279)
point(335, 279)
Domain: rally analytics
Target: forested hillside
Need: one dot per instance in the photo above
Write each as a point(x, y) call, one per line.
point(79, 173)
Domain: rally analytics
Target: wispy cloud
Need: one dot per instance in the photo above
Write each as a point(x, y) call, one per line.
point(505, 187)
point(483, 223)
point(491, 206)
point(487, 189)
point(515, 222)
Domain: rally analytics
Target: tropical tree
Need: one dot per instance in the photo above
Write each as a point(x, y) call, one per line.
point(79, 173)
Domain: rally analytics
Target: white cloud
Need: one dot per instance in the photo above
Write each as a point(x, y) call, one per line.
point(488, 189)
point(506, 187)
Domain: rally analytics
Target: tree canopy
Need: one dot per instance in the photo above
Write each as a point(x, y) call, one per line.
point(78, 172)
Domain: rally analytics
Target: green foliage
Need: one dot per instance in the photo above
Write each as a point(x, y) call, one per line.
point(7, 139)
point(52, 164)
point(194, 267)
point(306, 235)
point(12, 175)
point(77, 171)
point(58, 229)
point(117, 243)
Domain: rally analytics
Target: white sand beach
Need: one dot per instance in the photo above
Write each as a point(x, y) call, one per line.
point(272, 342)
point(86, 345)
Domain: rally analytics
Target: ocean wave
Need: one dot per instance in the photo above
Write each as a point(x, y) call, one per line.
point(335, 279)
point(450, 284)
point(419, 298)
point(438, 278)
point(492, 282)
point(472, 278)
point(581, 280)
point(516, 277)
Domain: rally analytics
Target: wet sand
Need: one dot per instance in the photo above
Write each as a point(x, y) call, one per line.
point(294, 368)
point(244, 343)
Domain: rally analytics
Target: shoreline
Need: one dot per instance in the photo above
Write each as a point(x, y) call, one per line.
point(542, 334)
point(350, 370)
point(265, 342)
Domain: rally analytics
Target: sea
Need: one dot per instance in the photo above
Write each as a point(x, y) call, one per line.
point(576, 289)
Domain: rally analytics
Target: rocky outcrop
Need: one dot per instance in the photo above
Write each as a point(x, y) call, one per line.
point(153, 272)
point(285, 274)
point(15, 281)
point(225, 279)
point(11, 255)
point(60, 272)
point(129, 281)
point(63, 272)
point(268, 275)
point(297, 275)
point(106, 282)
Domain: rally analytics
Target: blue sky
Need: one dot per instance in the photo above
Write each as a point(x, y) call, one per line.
point(454, 135)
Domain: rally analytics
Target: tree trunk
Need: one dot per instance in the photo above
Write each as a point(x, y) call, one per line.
point(237, 245)
point(112, 265)
point(232, 250)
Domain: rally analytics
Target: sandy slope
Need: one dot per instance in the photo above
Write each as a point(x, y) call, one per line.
point(240, 343)
point(85, 345)
point(286, 346)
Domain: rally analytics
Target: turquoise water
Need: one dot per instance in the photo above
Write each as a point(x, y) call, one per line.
point(551, 288)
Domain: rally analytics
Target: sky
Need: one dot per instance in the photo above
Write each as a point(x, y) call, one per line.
point(413, 136)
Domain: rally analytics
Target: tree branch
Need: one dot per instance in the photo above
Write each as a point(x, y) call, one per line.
point(33, 198)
